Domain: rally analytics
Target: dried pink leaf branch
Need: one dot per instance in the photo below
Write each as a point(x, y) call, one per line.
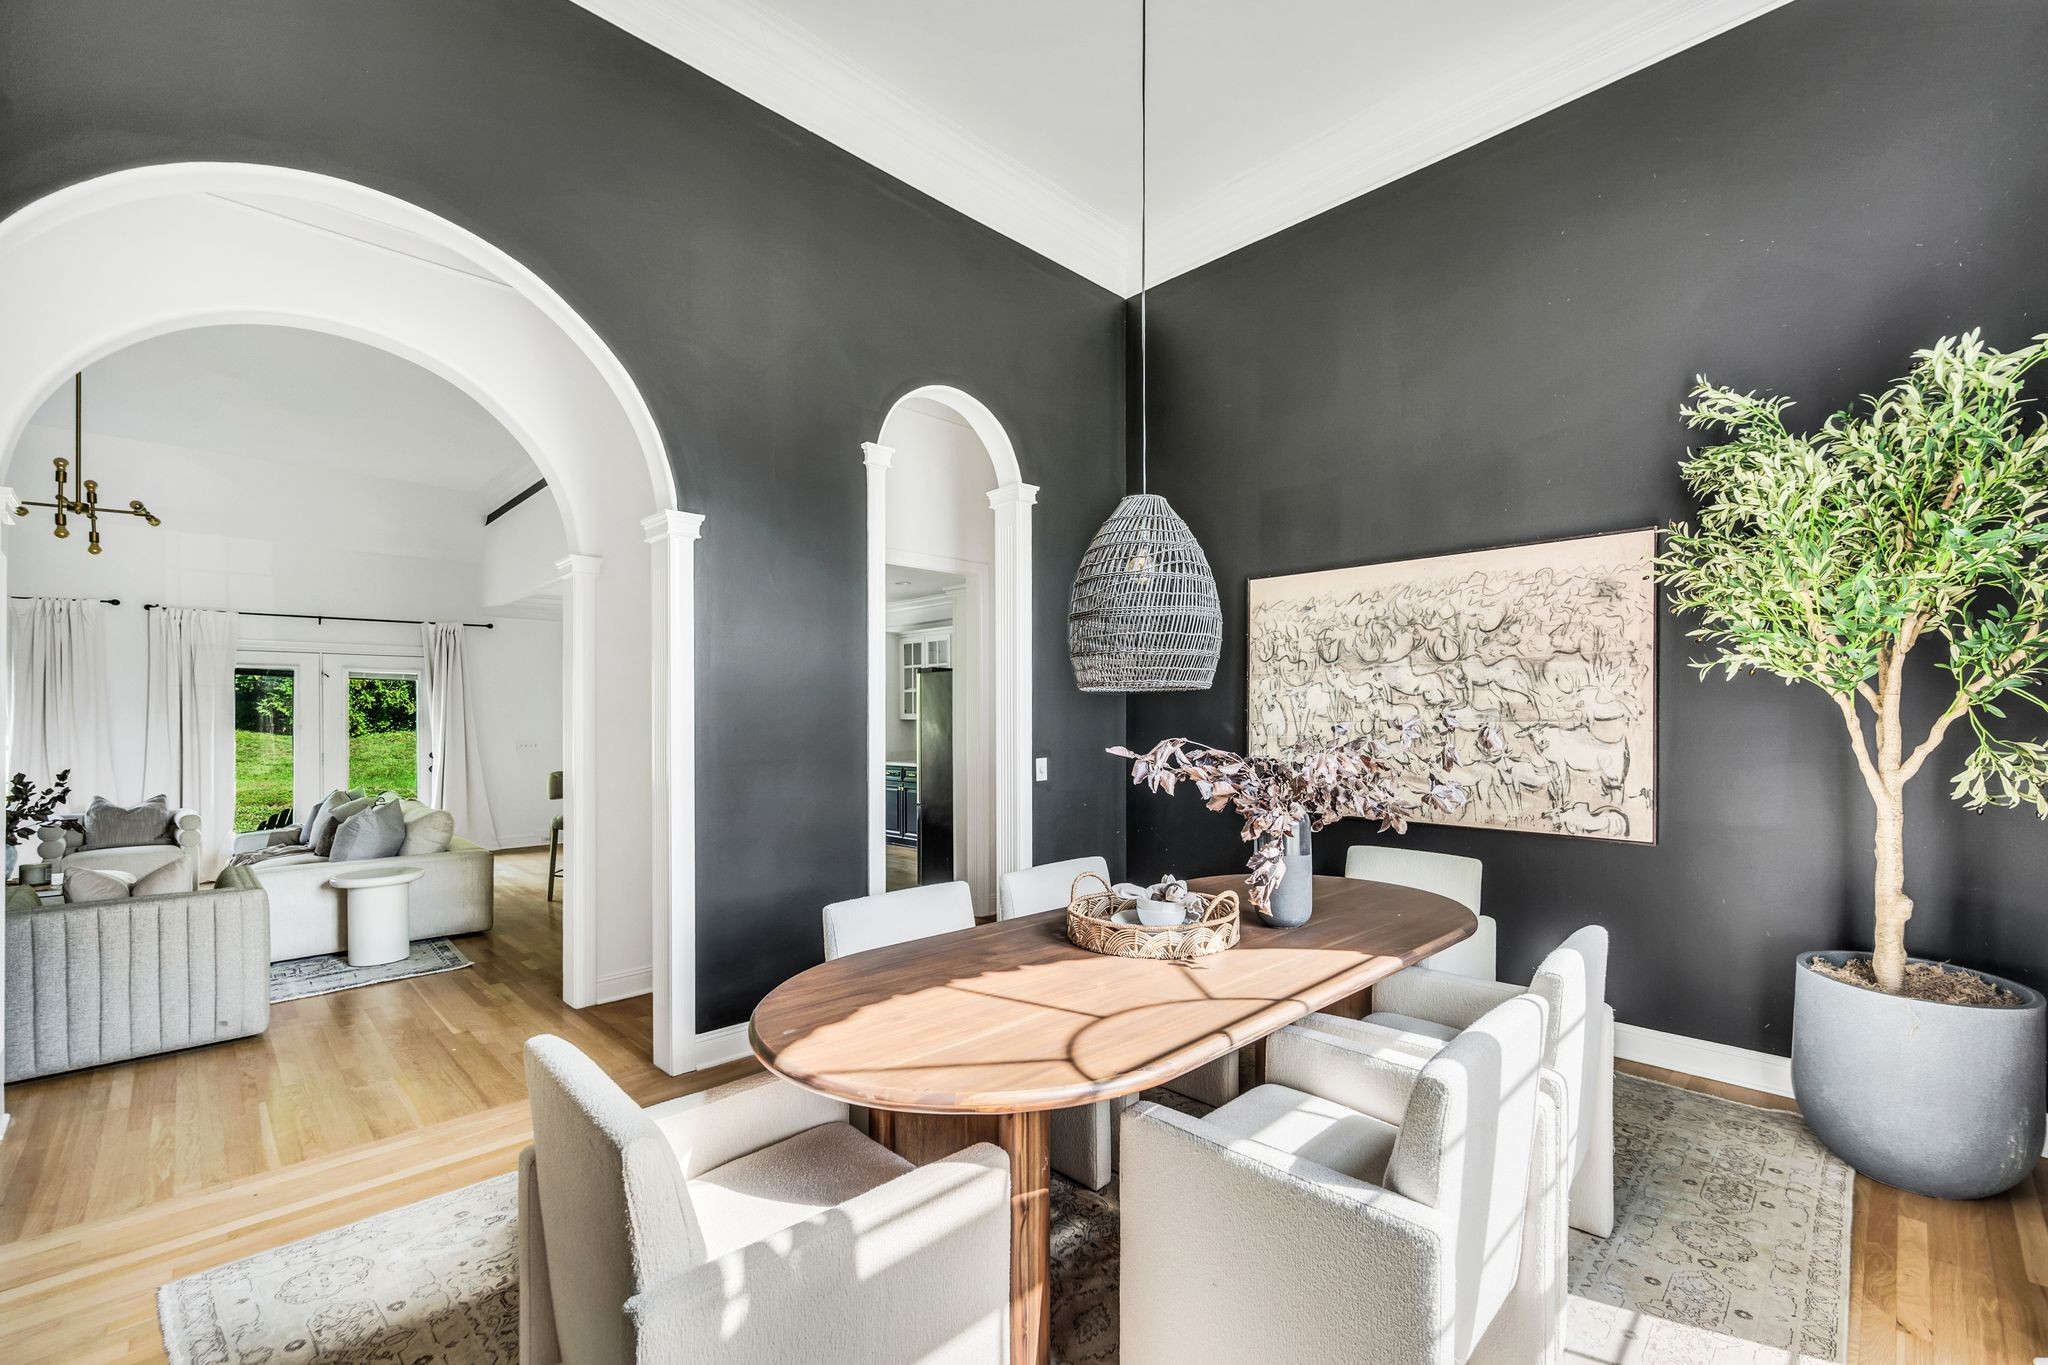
point(1342, 778)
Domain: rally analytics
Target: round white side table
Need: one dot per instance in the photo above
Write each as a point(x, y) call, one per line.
point(377, 928)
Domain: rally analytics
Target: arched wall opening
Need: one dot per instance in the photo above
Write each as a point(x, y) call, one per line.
point(1002, 600)
point(96, 267)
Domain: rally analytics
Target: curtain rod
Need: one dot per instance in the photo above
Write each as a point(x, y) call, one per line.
point(104, 601)
point(324, 616)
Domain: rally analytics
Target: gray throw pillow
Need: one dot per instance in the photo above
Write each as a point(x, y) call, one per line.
point(375, 832)
point(90, 884)
point(333, 798)
point(173, 878)
point(110, 826)
point(426, 830)
point(321, 836)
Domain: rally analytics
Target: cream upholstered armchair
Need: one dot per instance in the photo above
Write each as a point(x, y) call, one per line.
point(1419, 1010)
point(747, 1225)
point(1361, 1205)
point(854, 926)
point(1446, 874)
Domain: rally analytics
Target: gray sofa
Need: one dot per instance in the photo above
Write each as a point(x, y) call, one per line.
point(107, 981)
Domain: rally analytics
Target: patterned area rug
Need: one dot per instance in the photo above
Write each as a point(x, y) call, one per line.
point(1731, 1247)
point(435, 1281)
point(301, 977)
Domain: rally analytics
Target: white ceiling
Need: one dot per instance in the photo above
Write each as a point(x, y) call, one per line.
point(297, 397)
point(909, 585)
point(1024, 116)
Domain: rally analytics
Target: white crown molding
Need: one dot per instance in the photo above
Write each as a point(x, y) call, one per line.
point(1365, 153)
point(785, 68)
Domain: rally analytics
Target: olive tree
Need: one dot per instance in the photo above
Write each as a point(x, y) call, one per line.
point(1829, 557)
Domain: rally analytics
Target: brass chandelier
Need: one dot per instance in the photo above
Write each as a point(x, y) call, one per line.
point(87, 503)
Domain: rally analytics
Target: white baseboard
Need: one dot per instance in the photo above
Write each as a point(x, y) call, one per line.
point(1709, 1061)
point(624, 985)
point(721, 1045)
point(519, 843)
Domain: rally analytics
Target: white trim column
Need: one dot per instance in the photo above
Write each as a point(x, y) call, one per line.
point(1010, 658)
point(579, 778)
point(8, 502)
point(877, 458)
point(673, 536)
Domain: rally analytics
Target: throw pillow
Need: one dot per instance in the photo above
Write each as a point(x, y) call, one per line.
point(375, 832)
point(90, 884)
point(321, 836)
point(110, 826)
point(333, 798)
point(426, 830)
point(173, 878)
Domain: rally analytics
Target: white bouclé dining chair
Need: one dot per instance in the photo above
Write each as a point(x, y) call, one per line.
point(1361, 1205)
point(1447, 874)
point(1030, 890)
point(1420, 1010)
point(865, 922)
point(749, 1225)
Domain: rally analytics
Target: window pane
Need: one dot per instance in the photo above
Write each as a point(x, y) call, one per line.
point(265, 699)
point(383, 733)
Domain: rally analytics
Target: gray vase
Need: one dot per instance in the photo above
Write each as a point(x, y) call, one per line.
point(1294, 898)
point(1943, 1100)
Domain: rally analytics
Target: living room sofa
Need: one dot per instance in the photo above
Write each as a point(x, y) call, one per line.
point(307, 916)
point(109, 980)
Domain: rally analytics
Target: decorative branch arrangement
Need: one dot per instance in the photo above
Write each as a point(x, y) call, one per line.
point(1341, 778)
point(1827, 558)
point(28, 809)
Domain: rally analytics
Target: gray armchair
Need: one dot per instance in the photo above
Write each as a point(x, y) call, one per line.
point(110, 980)
point(63, 846)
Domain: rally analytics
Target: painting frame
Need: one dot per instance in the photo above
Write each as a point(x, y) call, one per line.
point(1571, 738)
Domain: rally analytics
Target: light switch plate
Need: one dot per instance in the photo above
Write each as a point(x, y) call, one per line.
point(1038, 768)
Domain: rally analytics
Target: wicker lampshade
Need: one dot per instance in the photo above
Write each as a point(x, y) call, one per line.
point(1144, 615)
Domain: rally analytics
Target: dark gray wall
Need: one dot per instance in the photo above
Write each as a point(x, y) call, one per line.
point(769, 294)
point(1494, 350)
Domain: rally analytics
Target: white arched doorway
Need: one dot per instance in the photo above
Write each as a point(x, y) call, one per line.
point(101, 265)
point(1007, 630)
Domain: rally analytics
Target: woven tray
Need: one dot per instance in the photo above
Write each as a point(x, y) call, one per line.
point(1089, 926)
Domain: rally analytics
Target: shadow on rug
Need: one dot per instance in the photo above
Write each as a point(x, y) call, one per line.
point(1731, 1247)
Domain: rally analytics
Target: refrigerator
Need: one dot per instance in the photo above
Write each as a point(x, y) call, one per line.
point(934, 775)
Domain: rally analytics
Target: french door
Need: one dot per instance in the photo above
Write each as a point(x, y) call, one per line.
point(308, 723)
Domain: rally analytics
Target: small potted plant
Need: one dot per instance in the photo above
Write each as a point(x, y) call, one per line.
point(1283, 799)
point(1828, 558)
point(29, 809)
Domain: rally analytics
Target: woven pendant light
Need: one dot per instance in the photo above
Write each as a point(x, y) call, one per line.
point(1144, 616)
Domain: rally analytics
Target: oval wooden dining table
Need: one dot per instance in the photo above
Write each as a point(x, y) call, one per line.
point(978, 1035)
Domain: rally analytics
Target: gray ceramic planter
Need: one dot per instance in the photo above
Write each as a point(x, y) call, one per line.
point(1943, 1100)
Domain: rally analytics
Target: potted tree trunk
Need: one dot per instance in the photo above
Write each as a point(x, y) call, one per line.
point(1913, 522)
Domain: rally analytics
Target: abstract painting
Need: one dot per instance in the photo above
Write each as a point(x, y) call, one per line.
point(1551, 648)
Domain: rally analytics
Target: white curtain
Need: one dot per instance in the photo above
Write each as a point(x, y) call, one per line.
point(57, 671)
point(451, 763)
point(188, 725)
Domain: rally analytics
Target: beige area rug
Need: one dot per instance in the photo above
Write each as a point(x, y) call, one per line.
point(1731, 1247)
point(331, 972)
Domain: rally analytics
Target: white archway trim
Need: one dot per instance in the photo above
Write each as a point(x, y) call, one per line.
point(673, 536)
point(236, 181)
point(877, 458)
point(1007, 633)
point(104, 264)
point(580, 769)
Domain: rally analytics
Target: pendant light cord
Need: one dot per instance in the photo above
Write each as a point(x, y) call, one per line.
point(1144, 206)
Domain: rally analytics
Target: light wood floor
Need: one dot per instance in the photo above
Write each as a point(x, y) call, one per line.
point(117, 1180)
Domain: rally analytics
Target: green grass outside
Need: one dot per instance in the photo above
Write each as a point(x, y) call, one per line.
point(263, 770)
